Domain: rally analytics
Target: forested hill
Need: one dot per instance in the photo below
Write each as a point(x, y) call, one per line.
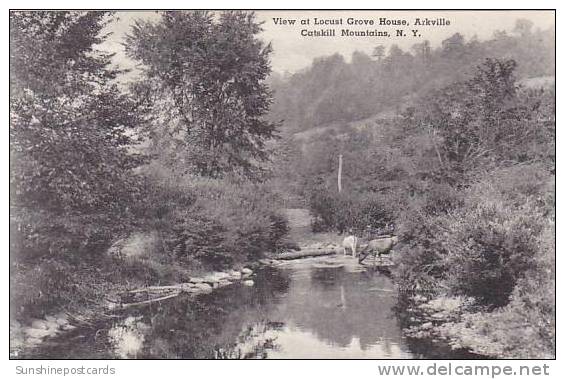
point(332, 90)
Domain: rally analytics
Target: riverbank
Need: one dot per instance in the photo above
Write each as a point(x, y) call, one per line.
point(298, 309)
point(135, 252)
point(431, 322)
point(38, 330)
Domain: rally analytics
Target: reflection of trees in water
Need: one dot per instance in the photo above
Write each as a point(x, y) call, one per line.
point(127, 337)
point(179, 328)
point(424, 348)
point(254, 342)
point(237, 322)
point(340, 306)
point(199, 329)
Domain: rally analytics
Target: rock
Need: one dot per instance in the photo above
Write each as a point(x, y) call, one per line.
point(235, 275)
point(193, 290)
point(16, 343)
point(33, 341)
point(68, 327)
point(139, 244)
point(62, 318)
point(36, 333)
point(224, 283)
point(52, 325)
point(248, 283)
point(221, 275)
point(439, 316)
point(51, 318)
point(203, 287)
point(196, 280)
point(247, 271)
point(216, 277)
point(39, 324)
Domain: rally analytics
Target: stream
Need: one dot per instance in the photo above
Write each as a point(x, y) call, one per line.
point(300, 309)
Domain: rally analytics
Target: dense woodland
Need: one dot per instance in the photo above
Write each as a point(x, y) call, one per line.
point(452, 148)
point(456, 155)
point(390, 80)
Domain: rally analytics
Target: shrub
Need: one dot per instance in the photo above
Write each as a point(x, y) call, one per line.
point(349, 211)
point(227, 223)
point(489, 248)
point(479, 247)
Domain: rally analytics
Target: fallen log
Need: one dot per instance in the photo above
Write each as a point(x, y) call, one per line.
point(177, 287)
point(129, 305)
point(305, 253)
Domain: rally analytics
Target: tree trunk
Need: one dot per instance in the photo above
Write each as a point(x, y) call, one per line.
point(339, 173)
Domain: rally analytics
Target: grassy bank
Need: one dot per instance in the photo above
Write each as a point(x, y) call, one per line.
point(181, 229)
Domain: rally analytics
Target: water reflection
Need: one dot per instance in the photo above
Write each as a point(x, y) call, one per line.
point(127, 337)
point(297, 311)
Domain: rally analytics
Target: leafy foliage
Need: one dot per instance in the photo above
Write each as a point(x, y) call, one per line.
point(208, 74)
point(333, 91)
point(228, 224)
point(71, 164)
point(70, 125)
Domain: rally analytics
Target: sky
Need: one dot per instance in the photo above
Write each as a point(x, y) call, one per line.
point(293, 52)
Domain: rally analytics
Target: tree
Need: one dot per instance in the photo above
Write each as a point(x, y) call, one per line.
point(423, 51)
point(487, 121)
point(208, 73)
point(523, 27)
point(70, 126)
point(72, 131)
point(454, 45)
point(379, 52)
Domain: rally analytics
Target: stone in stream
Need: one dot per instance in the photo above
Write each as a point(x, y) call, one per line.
point(52, 325)
point(62, 319)
point(216, 277)
point(187, 287)
point(68, 327)
point(16, 342)
point(224, 283)
point(203, 287)
point(15, 325)
point(39, 324)
point(192, 290)
point(36, 333)
point(248, 283)
point(196, 280)
point(33, 341)
point(246, 272)
point(235, 275)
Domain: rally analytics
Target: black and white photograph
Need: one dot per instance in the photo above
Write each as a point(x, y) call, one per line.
point(282, 184)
